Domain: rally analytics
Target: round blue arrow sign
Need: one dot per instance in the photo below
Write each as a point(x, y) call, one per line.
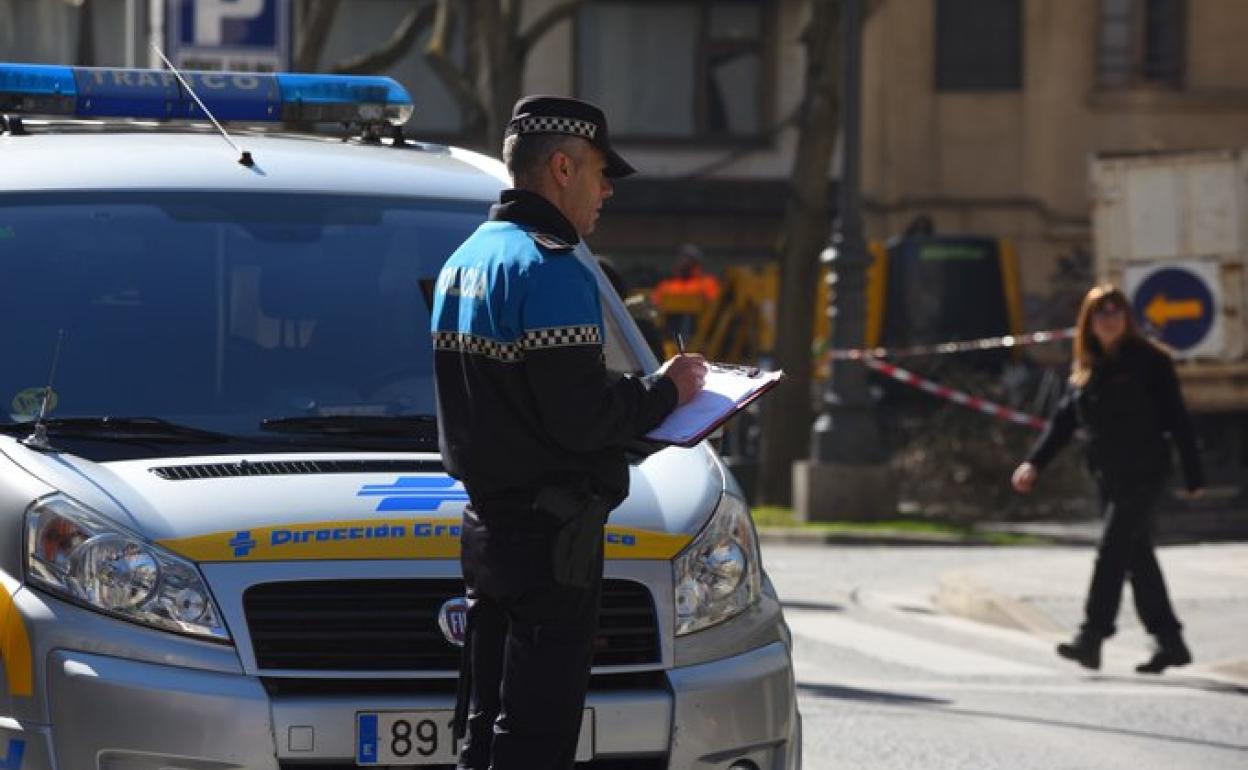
point(1175, 305)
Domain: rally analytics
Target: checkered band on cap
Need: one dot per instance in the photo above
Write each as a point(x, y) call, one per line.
point(553, 125)
point(458, 342)
point(561, 337)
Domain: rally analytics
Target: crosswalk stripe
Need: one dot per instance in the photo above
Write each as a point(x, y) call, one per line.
point(904, 649)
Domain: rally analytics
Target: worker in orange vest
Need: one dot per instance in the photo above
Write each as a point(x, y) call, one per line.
point(686, 293)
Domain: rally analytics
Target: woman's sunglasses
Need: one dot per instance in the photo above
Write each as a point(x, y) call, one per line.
point(1107, 311)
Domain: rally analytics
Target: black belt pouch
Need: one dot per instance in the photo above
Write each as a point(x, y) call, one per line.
point(578, 543)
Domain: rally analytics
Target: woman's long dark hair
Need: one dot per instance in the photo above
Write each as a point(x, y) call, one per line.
point(1087, 348)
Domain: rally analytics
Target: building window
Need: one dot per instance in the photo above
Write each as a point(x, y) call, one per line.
point(979, 45)
point(671, 69)
point(1140, 43)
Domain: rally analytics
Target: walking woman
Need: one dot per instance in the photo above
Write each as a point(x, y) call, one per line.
point(1125, 395)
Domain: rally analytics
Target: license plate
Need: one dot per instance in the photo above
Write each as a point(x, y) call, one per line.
point(424, 738)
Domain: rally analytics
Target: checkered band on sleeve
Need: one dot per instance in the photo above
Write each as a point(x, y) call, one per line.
point(561, 337)
point(458, 342)
point(547, 125)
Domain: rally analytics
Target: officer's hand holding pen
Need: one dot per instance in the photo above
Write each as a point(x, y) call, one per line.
point(687, 371)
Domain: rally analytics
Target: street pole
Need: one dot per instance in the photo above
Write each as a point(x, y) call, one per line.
point(846, 477)
point(155, 33)
point(132, 24)
point(846, 430)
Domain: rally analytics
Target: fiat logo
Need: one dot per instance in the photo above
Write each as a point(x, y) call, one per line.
point(453, 620)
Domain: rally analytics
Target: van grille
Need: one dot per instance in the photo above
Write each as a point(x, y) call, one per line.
point(293, 468)
point(321, 686)
point(392, 625)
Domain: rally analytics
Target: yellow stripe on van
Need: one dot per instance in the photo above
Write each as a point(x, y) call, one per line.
point(624, 543)
point(15, 648)
point(399, 538)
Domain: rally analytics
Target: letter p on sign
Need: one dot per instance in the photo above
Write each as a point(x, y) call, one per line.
point(211, 15)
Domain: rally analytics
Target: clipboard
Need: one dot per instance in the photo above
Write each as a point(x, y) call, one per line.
point(728, 389)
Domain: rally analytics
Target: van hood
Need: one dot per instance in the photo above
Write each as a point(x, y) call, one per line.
point(343, 506)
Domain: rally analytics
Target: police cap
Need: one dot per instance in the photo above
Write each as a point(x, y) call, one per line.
point(561, 115)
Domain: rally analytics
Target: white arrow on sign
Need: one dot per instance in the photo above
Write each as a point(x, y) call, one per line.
point(210, 16)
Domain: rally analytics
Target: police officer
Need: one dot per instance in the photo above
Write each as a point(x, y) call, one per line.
point(535, 426)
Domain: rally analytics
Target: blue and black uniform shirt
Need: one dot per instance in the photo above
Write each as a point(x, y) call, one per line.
point(524, 396)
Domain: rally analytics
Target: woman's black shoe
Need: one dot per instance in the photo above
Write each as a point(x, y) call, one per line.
point(1084, 649)
point(1171, 651)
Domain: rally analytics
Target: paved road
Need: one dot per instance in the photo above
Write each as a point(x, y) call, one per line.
point(887, 681)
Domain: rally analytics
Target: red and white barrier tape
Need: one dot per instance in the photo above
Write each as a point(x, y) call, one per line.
point(956, 396)
point(965, 346)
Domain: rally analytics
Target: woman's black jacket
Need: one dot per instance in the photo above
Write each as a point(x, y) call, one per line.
point(1130, 407)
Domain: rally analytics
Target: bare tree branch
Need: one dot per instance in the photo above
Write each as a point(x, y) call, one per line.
point(393, 49)
point(509, 13)
point(472, 39)
point(437, 46)
point(787, 421)
point(313, 33)
point(546, 22)
point(501, 68)
point(490, 19)
point(451, 75)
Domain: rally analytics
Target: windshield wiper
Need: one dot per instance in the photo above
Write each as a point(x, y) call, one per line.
point(420, 426)
point(126, 428)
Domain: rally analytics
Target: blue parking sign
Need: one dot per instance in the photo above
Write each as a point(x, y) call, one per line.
point(234, 23)
point(1177, 306)
point(247, 35)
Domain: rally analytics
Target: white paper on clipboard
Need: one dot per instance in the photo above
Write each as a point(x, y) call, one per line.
point(725, 391)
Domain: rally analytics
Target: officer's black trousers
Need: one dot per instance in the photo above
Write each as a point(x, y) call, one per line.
point(531, 651)
point(1126, 549)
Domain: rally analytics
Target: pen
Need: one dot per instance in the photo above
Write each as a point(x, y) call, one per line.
point(680, 343)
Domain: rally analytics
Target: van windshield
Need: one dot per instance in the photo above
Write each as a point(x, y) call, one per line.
point(220, 310)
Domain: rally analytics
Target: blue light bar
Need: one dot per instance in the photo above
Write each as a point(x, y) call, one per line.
point(344, 98)
point(108, 92)
point(37, 88)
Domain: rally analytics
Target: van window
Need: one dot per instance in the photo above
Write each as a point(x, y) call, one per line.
point(219, 310)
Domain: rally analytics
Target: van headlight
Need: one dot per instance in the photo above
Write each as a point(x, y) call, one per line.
point(718, 576)
point(76, 553)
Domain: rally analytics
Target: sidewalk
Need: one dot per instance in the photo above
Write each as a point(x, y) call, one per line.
point(1173, 530)
point(1043, 594)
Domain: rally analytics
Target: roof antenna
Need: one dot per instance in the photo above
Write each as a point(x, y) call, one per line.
point(244, 157)
point(38, 440)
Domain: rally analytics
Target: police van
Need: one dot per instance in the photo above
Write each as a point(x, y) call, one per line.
point(226, 537)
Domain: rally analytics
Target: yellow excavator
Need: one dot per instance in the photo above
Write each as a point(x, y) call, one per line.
point(920, 290)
